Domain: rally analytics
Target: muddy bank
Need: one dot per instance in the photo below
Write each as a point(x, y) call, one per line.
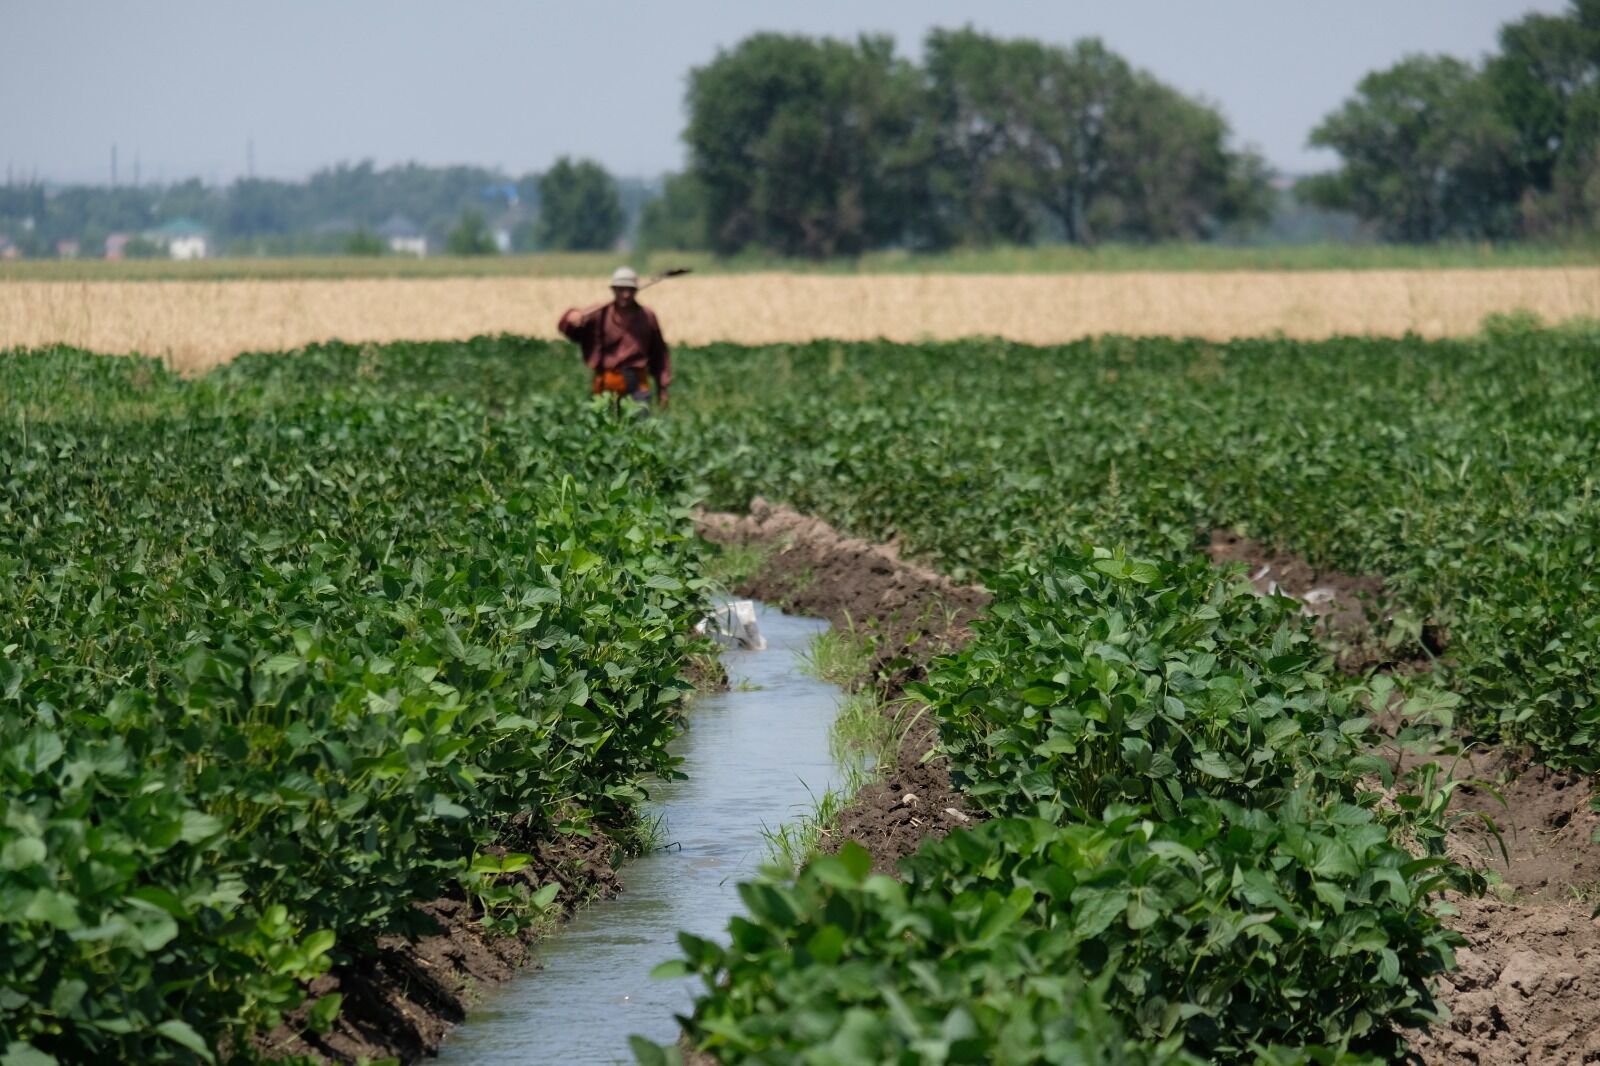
point(404, 996)
point(910, 613)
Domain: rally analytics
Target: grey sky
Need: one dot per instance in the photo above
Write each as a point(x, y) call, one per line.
point(185, 84)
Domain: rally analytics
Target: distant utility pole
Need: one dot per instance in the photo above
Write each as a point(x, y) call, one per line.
point(136, 168)
point(250, 157)
point(113, 164)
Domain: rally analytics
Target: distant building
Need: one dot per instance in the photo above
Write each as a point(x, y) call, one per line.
point(67, 249)
point(8, 250)
point(403, 236)
point(116, 245)
point(183, 238)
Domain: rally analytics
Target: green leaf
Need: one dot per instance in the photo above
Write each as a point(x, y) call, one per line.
point(282, 663)
point(22, 853)
point(198, 826)
point(58, 909)
point(179, 1032)
point(1214, 765)
point(647, 1053)
point(318, 943)
point(1041, 695)
point(826, 945)
point(323, 1013)
point(22, 1053)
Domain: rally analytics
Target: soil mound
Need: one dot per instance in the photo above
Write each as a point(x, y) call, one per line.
point(1547, 825)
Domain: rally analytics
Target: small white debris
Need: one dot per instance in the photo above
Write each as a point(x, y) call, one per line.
point(734, 624)
point(909, 799)
point(1317, 597)
point(957, 815)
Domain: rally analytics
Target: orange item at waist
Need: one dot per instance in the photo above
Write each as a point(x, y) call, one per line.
point(623, 383)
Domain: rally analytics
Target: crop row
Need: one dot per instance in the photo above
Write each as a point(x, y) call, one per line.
point(1463, 473)
point(1187, 857)
point(289, 644)
point(278, 665)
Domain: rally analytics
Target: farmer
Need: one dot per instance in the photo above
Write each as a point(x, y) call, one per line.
point(621, 342)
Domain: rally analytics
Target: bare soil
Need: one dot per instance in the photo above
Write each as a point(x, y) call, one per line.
point(1528, 990)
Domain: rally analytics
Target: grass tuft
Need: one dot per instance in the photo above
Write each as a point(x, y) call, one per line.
point(730, 565)
point(840, 657)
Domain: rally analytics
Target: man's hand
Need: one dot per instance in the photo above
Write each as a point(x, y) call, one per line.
point(661, 398)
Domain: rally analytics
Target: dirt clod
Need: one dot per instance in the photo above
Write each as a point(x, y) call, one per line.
point(1527, 991)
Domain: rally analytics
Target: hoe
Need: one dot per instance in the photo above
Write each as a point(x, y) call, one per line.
point(583, 316)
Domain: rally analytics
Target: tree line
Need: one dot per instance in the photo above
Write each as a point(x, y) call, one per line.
point(572, 205)
point(819, 147)
point(1436, 147)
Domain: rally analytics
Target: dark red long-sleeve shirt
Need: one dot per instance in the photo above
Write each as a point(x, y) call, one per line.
point(612, 340)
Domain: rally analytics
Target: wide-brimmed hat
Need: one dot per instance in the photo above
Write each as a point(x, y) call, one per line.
point(624, 278)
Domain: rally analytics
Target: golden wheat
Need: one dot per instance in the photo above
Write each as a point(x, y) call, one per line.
point(198, 324)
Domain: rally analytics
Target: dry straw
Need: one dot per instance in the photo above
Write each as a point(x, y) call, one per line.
point(198, 324)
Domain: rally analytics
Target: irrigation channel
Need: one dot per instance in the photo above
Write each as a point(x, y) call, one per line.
point(756, 756)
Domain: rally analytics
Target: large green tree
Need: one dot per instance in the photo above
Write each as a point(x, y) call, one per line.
point(1546, 78)
point(1076, 139)
point(819, 147)
point(1435, 147)
point(978, 102)
point(579, 209)
point(807, 147)
point(1426, 153)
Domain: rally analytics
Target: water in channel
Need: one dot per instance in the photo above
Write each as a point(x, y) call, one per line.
point(755, 755)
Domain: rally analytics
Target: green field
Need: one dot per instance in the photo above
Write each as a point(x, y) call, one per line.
point(1046, 259)
point(429, 587)
point(279, 665)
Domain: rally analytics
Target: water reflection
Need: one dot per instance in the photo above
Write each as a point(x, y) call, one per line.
point(754, 755)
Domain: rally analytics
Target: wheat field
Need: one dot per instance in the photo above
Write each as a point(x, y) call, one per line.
point(196, 324)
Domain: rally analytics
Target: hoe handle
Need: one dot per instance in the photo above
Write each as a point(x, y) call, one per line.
point(589, 312)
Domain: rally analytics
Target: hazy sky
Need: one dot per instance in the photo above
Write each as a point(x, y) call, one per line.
point(186, 85)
